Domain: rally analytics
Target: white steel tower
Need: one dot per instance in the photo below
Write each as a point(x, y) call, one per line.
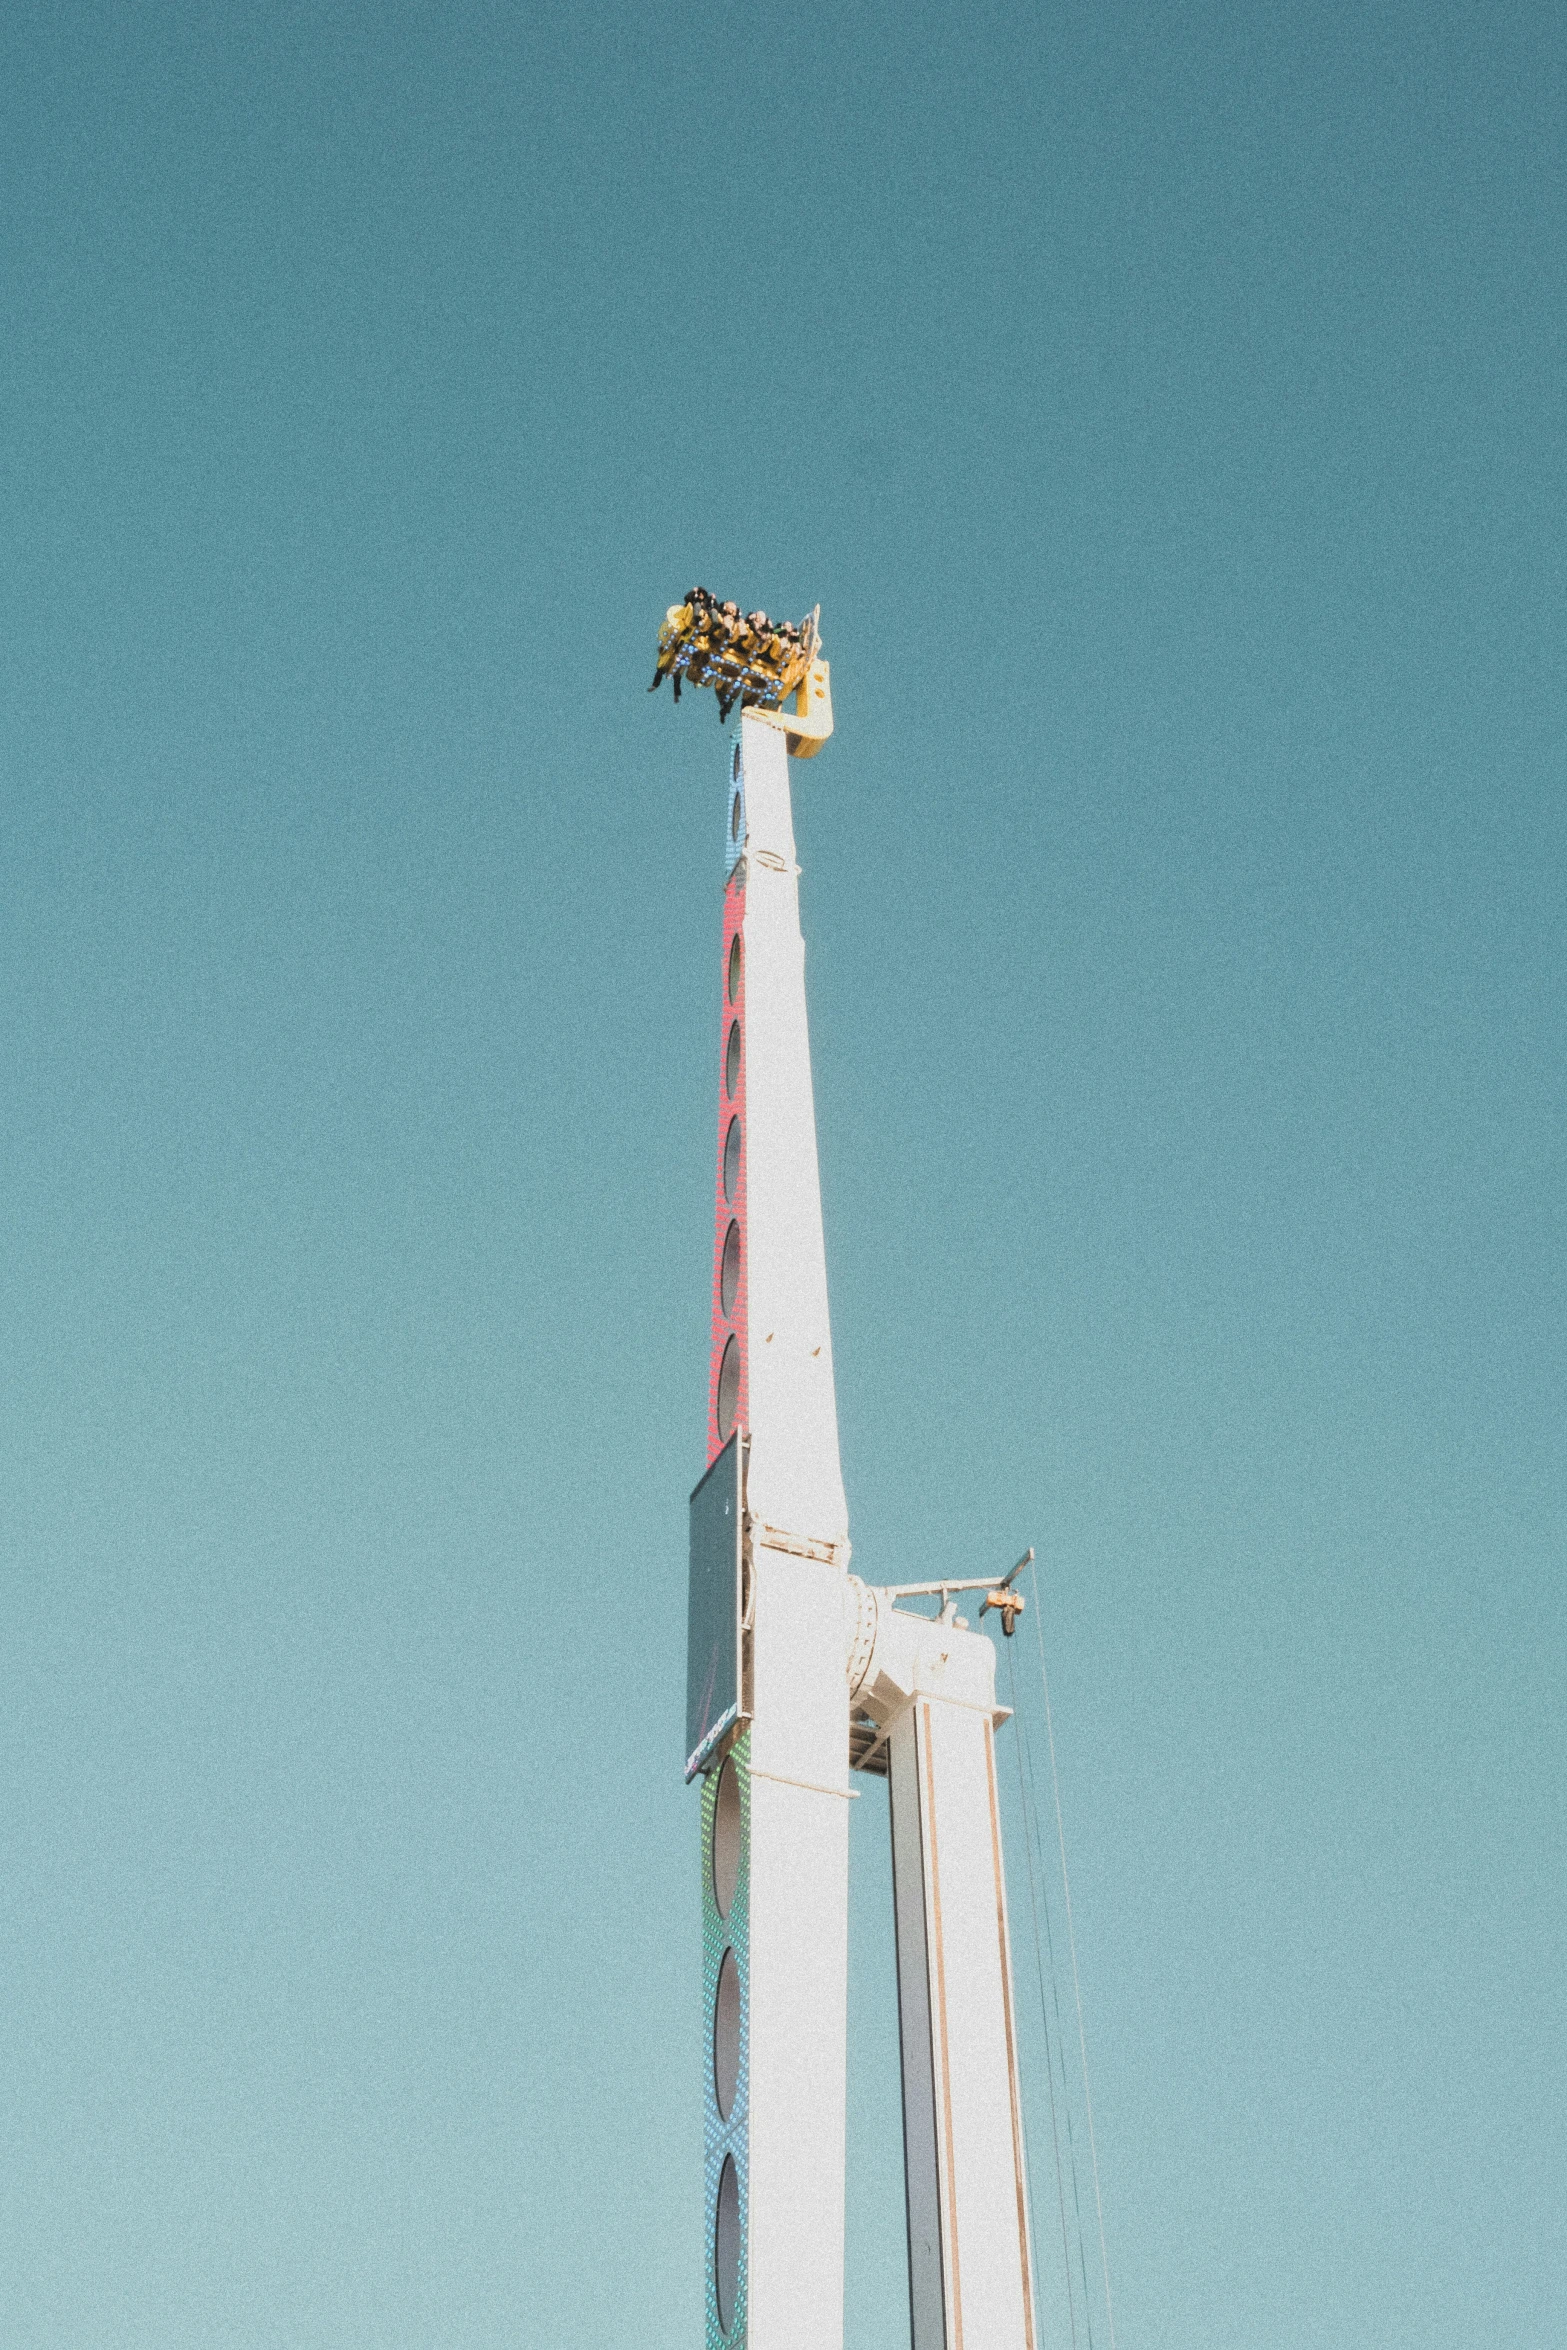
point(800, 1673)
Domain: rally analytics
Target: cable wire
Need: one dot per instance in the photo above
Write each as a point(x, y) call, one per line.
point(1033, 1823)
point(1039, 1977)
point(1066, 1887)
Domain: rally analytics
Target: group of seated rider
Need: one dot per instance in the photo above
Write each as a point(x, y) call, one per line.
point(744, 655)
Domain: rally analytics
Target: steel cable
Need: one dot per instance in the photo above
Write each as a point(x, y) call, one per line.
point(1066, 1888)
point(1033, 1823)
point(1039, 1977)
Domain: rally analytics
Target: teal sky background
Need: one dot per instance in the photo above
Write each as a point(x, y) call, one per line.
point(1166, 406)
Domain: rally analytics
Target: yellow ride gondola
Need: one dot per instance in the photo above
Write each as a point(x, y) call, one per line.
point(743, 656)
point(750, 660)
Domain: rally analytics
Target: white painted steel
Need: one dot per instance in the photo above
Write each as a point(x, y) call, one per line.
point(970, 2264)
point(799, 1830)
point(795, 1482)
point(798, 2024)
point(930, 1687)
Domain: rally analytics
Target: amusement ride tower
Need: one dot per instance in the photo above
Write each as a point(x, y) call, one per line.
point(800, 1674)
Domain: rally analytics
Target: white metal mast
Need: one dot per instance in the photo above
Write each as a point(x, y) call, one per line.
point(797, 1670)
point(775, 2220)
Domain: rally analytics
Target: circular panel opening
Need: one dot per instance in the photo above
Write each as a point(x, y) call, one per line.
point(726, 2035)
point(728, 1389)
point(729, 1272)
point(734, 819)
point(731, 1158)
point(726, 1838)
point(726, 2244)
point(734, 765)
point(732, 1058)
point(734, 966)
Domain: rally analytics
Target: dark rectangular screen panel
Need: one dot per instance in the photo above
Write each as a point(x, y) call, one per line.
point(713, 1635)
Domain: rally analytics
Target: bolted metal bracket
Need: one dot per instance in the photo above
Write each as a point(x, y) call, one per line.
point(809, 723)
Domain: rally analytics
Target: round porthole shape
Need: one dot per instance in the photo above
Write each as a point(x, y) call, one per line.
point(728, 1389)
point(726, 1838)
point(726, 2244)
point(732, 1058)
point(734, 819)
point(731, 1158)
point(734, 966)
point(726, 2035)
point(729, 1271)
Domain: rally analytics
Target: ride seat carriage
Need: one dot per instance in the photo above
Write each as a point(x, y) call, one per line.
point(744, 657)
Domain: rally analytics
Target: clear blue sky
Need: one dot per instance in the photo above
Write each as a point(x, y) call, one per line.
point(1166, 406)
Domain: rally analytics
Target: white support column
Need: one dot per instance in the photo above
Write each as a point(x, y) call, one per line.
point(800, 1704)
point(796, 1484)
point(771, 1328)
point(932, 1686)
point(799, 1955)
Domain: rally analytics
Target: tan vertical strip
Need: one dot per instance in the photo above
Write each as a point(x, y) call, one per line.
point(1006, 2002)
point(946, 2061)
